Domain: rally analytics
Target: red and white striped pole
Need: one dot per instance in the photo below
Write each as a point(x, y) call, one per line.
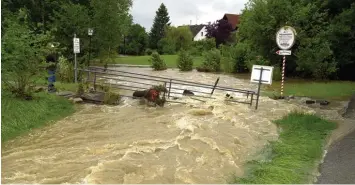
point(283, 75)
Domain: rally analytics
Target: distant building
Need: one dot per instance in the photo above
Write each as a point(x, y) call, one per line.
point(233, 19)
point(198, 32)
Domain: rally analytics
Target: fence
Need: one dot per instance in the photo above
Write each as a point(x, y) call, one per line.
point(140, 82)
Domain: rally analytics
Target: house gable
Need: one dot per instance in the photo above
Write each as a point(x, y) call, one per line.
point(233, 19)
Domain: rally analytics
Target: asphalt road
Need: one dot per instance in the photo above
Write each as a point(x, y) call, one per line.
point(339, 163)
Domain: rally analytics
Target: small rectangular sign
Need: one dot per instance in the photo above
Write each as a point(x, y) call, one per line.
point(284, 52)
point(76, 43)
point(266, 77)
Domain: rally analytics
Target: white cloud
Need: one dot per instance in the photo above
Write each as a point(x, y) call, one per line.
point(182, 11)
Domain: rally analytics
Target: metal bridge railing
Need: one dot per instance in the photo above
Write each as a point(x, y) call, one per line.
point(169, 83)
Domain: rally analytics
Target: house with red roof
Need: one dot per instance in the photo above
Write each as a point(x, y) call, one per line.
point(233, 19)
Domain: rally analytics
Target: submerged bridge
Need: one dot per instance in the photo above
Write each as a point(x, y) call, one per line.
point(130, 82)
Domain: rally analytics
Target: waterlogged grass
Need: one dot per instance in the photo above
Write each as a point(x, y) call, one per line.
point(335, 90)
point(294, 155)
point(20, 116)
point(170, 60)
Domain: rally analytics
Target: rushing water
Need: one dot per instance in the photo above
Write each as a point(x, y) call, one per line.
point(197, 142)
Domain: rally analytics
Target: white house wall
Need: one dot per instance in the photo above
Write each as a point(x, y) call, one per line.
point(199, 35)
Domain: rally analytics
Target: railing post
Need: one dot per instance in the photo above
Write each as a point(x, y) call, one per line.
point(251, 100)
point(258, 95)
point(169, 88)
point(164, 89)
point(95, 80)
point(215, 84)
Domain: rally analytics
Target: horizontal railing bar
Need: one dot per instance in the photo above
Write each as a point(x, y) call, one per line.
point(121, 80)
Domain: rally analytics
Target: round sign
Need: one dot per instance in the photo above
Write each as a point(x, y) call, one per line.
point(285, 37)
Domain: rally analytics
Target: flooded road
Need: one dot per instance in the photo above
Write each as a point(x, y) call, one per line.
point(197, 142)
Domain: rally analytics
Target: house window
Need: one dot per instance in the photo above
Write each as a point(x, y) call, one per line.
point(201, 33)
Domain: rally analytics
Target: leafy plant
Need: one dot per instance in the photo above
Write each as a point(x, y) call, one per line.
point(212, 61)
point(158, 63)
point(22, 55)
point(185, 61)
point(65, 70)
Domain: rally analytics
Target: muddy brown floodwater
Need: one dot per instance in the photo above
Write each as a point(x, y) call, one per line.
point(197, 142)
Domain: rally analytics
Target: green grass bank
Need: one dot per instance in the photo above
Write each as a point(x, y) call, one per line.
point(20, 116)
point(334, 90)
point(292, 158)
point(170, 60)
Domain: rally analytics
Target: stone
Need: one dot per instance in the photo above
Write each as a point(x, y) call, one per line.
point(97, 97)
point(310, 101)
point(324, 102)
point(66, 94)
point(77, 100)
point(350, 110)
point(188, 93)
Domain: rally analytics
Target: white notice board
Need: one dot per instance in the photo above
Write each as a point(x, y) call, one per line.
point(76, 43)
point(266, 75)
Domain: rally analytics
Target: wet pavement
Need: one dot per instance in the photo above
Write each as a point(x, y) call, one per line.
point(339, 163)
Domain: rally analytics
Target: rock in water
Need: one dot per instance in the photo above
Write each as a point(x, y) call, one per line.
point(188, 93)
point(77, 100)
point(350, 110)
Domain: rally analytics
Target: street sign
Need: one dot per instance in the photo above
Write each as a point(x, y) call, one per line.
point(76, 43)
point(285, 37)
point(90, 31)
point(266, 74)
point(283, 52)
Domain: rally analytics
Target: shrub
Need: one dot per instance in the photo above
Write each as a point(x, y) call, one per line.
point(201, 46)
point(80, 91)
point(277, 73)
point(148, 51)
point(228, 58)
point(158, 64)
point(166, 46)
point(212, 61)
point(241, 52)
point(185, 61)
point(258, 60)
point(65, 70)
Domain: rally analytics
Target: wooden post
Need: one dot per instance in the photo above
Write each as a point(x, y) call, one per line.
point(95, 80)
point(215, 84)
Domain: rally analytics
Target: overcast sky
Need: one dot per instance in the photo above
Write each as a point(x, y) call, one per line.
point(182, 11)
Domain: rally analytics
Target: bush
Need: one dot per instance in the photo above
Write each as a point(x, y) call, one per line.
point(277, 75)
point(258, 60)
point(148, 51)
point(166, 46)
point(185, 61)
point(158, 64)
point(201, 46)
point(241, 54)
point(212, 61)
point(228, 58)
point(65, 70)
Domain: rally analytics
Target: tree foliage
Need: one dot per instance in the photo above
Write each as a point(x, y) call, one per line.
point(221, 31)
point(136, 40)
point(185, 61)
point(175, 39)
point(323, 42)
point(157, 32)
point(22, 55)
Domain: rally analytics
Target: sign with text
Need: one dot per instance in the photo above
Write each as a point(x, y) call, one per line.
point(266, 74)
point(285, 37)
point(76, 43)
point(283, 52)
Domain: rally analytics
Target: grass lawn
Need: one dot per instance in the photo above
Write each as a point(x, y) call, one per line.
point(334, 90)
point(20, 116)
point(293, 157)
point(170, 60)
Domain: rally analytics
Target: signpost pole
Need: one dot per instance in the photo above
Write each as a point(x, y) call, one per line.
point(257, 98)
point(283, 75)
point(76, 71)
